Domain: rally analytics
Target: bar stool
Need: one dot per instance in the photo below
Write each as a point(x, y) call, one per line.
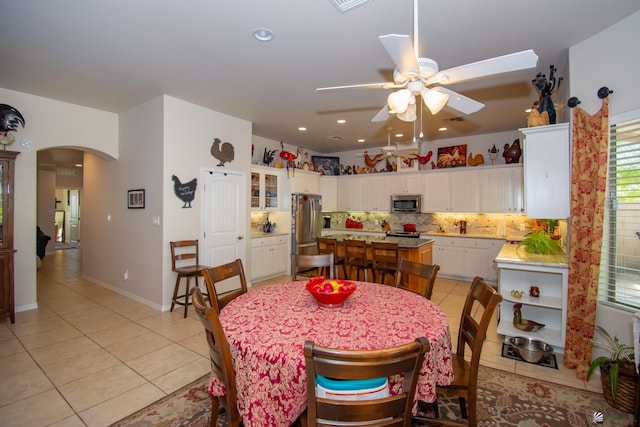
point(356, 257)
point(385, 260)
point(185, 262)
point(329, 245)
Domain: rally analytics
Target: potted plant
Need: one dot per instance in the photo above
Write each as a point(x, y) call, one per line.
point(539, 242)
point(617, 372)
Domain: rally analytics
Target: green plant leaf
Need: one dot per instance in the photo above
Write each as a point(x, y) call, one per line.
point(614, 370)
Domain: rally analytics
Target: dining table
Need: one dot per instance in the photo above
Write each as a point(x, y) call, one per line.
point(267, 327)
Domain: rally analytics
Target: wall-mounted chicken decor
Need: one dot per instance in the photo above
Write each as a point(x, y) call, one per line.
point(10, 118)
point(223, 152)
point(185, 192)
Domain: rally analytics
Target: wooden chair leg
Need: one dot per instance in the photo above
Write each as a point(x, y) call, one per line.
point(215, 403)
point(463, 407)
point(175, 292)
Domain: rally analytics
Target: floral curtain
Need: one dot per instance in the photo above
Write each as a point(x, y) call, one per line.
point(588, 186)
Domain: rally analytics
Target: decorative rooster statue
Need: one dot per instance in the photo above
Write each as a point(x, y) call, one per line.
point(289, 157)
point(423, 159)
point(372, 161)
point(524, 324)
point(512, 154)
point(224, 153)
point(267, 157)
point(10, 118)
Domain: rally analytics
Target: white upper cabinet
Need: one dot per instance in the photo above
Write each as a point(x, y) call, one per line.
point(451, 191)
point(302, 181)
point(436, 192)
point(547, 171)
point(329, 192)
point(376, 192)
point(265, 188)
point(350, 193)
point(501, 189)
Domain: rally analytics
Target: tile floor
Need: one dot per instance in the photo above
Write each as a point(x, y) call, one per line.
point(89, 356)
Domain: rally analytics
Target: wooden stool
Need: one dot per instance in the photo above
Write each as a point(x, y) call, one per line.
point(385, 260)
point(185, 262)
point(356, 257)
point(328, 245)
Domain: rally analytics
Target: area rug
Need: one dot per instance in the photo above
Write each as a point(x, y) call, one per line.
point(510, 353)
point(504, 400)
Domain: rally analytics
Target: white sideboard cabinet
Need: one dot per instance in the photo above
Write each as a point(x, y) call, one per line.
point(518, 271)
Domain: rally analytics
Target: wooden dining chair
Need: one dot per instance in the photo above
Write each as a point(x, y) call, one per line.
point(426, 274)
point(221, 362)
point(356, 365)
point(329, 245)
point(356, 258)
point(324, 264)
point(230, 271)
point(481, 300)
point(185, 262)
point(385, 260)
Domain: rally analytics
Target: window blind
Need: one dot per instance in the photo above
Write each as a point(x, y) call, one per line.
point(620, 263)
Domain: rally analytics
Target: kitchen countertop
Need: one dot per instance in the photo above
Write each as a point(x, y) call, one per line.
point(403, 242)
point(511, 253)
point(260, 234)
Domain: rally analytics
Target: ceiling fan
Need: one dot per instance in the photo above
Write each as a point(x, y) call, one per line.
point(415, 76)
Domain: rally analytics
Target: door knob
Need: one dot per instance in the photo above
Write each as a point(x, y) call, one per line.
point(240, 237)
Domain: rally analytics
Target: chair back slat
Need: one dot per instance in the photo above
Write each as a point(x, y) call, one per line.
point(233, 270)
point(426, 273)
point(394, 410)
point(323, 262)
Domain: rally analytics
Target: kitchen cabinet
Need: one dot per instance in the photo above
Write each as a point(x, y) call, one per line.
point(265, 188)
point(466, 257)
point(7, 251)
point(329, 192)
point(305, 182)
point(547, 171)
point(518, 271)
point(350, 193)
point(377, 190)
point(501, 189)
point(407, 183)
point(269, 256)
point(451, 191)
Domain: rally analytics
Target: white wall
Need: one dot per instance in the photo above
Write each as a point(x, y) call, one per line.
point(49, 123)
point(189, 131)
point(610, 59)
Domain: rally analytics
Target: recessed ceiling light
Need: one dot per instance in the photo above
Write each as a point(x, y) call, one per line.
point(302, 128)
point(528, 110)
point(263, 34)
point(361, 140)
point(442, 129)
point(399, 135)
point(341, 121)
point(78, 165)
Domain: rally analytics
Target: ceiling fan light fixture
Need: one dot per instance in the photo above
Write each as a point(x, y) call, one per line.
point(434, 100)
point(409, 115)
point(399, 101)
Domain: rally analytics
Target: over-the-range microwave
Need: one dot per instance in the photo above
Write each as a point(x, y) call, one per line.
point(406, 203)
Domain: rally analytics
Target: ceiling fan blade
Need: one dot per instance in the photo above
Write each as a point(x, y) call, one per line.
point(488, 67)
point(383, 85)
point(460, 102)
point(400, 50)
point(382, 116)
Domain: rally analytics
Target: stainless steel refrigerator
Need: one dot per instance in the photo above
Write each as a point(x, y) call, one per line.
point(306, 222)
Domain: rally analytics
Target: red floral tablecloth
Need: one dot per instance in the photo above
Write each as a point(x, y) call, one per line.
point(267, 328)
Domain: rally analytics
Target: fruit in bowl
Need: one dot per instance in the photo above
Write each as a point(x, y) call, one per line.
point(330, 293)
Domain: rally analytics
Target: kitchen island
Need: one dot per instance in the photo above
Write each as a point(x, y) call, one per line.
point(417, 250)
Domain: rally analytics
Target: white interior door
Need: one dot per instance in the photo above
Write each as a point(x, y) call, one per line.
point(224, 218)
point(74, 216)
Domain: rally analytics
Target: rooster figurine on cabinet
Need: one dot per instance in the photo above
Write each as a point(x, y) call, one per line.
point(524, 324)
point(512, 154)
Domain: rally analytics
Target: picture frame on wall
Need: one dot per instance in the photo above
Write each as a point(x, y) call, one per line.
point(407, 164)
point(326, 165)
point(452, 157)
point(135, 199)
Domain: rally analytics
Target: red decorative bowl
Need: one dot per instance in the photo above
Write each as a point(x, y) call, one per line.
point(323, 291)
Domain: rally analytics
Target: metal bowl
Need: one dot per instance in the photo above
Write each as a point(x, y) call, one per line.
point(531, 350)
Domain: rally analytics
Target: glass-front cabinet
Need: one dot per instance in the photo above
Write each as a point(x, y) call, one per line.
point(7, 166)
point(265, 190)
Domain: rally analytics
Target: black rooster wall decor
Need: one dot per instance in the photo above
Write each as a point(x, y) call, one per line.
point(223, 152)
point(10, 118)
point(185, 192)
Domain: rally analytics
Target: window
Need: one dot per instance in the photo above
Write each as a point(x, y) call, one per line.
point(620, 263)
